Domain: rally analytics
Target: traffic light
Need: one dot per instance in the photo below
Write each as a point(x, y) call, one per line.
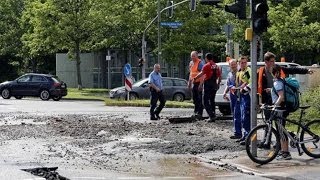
point(238, 9)
point(260, 16)
point(170, 10)
point(141, 61)
point(210, 2)
point(193, 4)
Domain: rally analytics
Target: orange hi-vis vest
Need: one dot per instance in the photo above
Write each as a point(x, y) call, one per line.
point(194, 70)
point(260, 81)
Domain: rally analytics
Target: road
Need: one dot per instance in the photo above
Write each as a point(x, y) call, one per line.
point(87, 140)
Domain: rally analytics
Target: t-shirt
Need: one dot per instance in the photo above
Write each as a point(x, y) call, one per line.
point(278, 86)
point(208, 72)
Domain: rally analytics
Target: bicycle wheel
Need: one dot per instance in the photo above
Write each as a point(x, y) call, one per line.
point(311, 145)
point(265, 152)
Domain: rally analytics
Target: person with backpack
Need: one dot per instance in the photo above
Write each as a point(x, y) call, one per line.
point(278, 99)
point(265, 78)
point(211, 84)
point(195, 67)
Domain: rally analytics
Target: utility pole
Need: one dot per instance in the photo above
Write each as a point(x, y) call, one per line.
point(144, 43)
point(159, 33)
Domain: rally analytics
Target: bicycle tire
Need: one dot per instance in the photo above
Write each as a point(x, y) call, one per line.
point(265, 153)
point(312, 149)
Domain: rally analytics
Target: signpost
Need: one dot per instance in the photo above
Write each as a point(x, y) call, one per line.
point(127, 71)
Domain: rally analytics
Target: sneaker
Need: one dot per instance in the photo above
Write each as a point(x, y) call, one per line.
point(235, 137)
point(242, 143)
point(241, 139)
point(284, 156)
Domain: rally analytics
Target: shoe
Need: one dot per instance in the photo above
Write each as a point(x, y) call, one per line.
point(211, 119)
point(235, 137)
point(198, 117)
point(153, 118)
point(284, 156)
point(157, 115)
point(241, 139)
point(242, 143)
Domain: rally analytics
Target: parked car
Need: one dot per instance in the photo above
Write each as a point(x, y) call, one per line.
point(173, 89)
point(223, 104)
point(44, 86)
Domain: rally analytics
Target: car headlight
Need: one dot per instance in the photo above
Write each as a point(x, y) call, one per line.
point(120, 91)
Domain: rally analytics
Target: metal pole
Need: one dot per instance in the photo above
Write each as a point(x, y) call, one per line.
point(144, 44)
point(253, 94)
point(109, 78)
point(159, 33)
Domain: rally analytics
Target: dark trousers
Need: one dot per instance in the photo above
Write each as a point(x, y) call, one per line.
point(155, 96)
point(197, 99)
point(209, 95)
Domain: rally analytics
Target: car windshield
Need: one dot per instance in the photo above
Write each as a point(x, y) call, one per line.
point(139, 83)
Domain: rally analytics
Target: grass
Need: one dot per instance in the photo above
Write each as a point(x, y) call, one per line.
point(94, 94)
point(102, 94)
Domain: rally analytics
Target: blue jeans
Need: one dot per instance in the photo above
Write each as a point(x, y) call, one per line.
point(236, 114)
point(245, 113)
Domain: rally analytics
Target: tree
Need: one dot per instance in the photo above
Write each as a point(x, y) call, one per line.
point(57, 25)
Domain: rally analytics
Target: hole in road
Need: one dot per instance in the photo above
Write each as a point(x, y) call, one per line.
point(47, 173)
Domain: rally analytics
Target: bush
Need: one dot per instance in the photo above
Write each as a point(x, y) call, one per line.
point(312, 98)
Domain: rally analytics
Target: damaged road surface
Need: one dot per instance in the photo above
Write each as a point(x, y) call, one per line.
point(94, 141)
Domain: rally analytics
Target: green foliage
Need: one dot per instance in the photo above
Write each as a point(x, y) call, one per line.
point(312, 98)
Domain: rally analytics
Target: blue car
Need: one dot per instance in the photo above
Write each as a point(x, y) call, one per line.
point(44, 86)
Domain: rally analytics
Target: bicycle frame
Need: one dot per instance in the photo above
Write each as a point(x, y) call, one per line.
point(274, 116)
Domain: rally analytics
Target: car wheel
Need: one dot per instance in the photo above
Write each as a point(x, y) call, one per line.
point(5, 93)
point(44, 95)
point(18, 97)
point(178, 97)
point(133, 96)
point(56, 98)
point(225, 110)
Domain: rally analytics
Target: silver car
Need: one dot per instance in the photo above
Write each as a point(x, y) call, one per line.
point(173, 88)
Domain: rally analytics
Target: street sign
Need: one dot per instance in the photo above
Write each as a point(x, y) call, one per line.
point(108, 58)
point(173, 25)
point(127, 70)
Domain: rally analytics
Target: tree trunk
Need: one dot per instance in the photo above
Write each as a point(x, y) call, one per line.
point(78, 65)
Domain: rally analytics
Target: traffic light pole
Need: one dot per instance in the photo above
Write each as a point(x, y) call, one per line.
point(253, 54)
point(144, 44)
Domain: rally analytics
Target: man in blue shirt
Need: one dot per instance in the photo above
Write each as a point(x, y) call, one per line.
point(156, 87)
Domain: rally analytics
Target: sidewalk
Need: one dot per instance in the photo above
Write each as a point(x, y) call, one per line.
point(300, 167)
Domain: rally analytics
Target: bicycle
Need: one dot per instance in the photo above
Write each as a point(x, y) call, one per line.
point(263, 141)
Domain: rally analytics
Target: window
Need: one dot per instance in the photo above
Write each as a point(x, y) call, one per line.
point(178, 82)
point(38, 79)
point(24, 79)
point(167, 82)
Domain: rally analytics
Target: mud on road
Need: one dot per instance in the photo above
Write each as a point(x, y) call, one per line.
point(112, 142)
